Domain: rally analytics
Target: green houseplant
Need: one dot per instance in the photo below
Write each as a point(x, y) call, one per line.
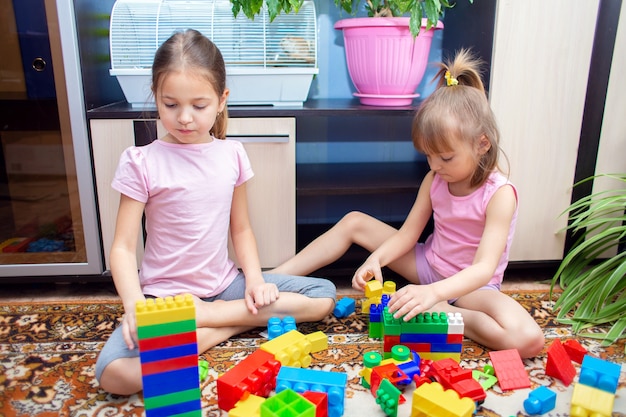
point(432, 10)
point(594, 283)
point(386, 59)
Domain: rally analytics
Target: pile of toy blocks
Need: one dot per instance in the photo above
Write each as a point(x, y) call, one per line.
point(431, 335)
point(279, 365)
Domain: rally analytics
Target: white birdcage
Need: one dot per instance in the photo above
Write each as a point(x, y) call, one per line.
point(266, 62)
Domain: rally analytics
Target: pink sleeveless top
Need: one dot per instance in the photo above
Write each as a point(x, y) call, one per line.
point(459, 224)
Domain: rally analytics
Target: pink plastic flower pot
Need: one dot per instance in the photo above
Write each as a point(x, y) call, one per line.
point(386, 64)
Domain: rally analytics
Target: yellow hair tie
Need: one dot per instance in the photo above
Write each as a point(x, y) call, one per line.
point(450, 80)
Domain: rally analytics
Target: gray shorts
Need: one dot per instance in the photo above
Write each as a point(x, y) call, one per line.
point(427, 275)
point(115, 347)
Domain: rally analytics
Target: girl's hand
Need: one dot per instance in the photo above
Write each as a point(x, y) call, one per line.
point(129, 329)
point(411, 300)
point(260, 295)
point(370, 269)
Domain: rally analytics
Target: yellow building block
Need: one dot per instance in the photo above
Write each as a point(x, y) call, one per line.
point(431, 400)
point(590, 401)
point(373, 288)
point(290, 349)
point(435, 356)
point(319, 341)
point(365, 304)
point(248, 406)
point(165, 310)
point(389, 287)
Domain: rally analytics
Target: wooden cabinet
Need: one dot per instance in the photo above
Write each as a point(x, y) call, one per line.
point(270, 144)
point(538, 87)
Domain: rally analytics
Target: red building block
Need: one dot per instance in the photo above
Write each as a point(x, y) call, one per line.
point(390, 372)
point(452, 376)
point(319, 400)
point(256, 374)
point(559, 365)
point(509, 369)
point(575, 350)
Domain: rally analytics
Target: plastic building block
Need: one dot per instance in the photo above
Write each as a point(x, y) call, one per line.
point(600, 374)
point(452, 376)
point(540, 401)
point(301, 380)
point(168, 351)
point(277, 326)
point(389, 372)
point(319, 341)
point(389, 287)
point(203, 370)
point(344, 307)
point(17, 244)
point(287, 403)
point(290, 349)
point(256, 374)
point(432, 335)
point(590, 401)
point(559, 365)
point(430, 400)
point(575, 350)
point(248, 406)
point(388, 398)
point(509, 369)
point(370, 361)
point(486, 378)
point(373, 288)
point(319, 400)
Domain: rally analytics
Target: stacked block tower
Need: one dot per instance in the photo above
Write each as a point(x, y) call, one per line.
point(432, 336)
point(594, 394)
point(168, 351)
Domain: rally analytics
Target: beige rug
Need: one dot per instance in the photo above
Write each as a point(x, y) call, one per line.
point(48, 352)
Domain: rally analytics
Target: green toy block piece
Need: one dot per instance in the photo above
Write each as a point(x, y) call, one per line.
point(486, 380)
point(388, 398)
point(391, 325)
point(166, 329)
point(427, 323)
point(165, 400)
point(203, 370)
point(287, 403)
point(376, 330)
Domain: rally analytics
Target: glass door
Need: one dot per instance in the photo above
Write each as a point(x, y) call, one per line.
point(48, 222)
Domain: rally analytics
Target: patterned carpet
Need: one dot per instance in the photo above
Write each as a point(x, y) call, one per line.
point(48, 352)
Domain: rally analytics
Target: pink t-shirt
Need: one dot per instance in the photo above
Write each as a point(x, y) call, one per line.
point(459, 225)
point(188, 190)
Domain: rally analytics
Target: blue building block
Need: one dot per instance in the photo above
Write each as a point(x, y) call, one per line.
point(376, 313)
point(344, 307)
point(411, 367)
point(598, 373)
point(303, 379)
point(540, 401)
point(277, 326)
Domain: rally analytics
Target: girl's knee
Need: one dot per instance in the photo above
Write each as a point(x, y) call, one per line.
point(325, 306)
point(531, 343)
point(122, 377)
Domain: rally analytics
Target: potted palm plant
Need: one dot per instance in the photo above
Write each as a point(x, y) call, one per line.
point(594, 283)
point(386, 52)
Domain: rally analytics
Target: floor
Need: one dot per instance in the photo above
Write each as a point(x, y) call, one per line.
point(516, 278)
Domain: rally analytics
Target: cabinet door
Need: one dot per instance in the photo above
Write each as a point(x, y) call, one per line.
point(538, 89)
point(109, 138)
point(270, 144)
